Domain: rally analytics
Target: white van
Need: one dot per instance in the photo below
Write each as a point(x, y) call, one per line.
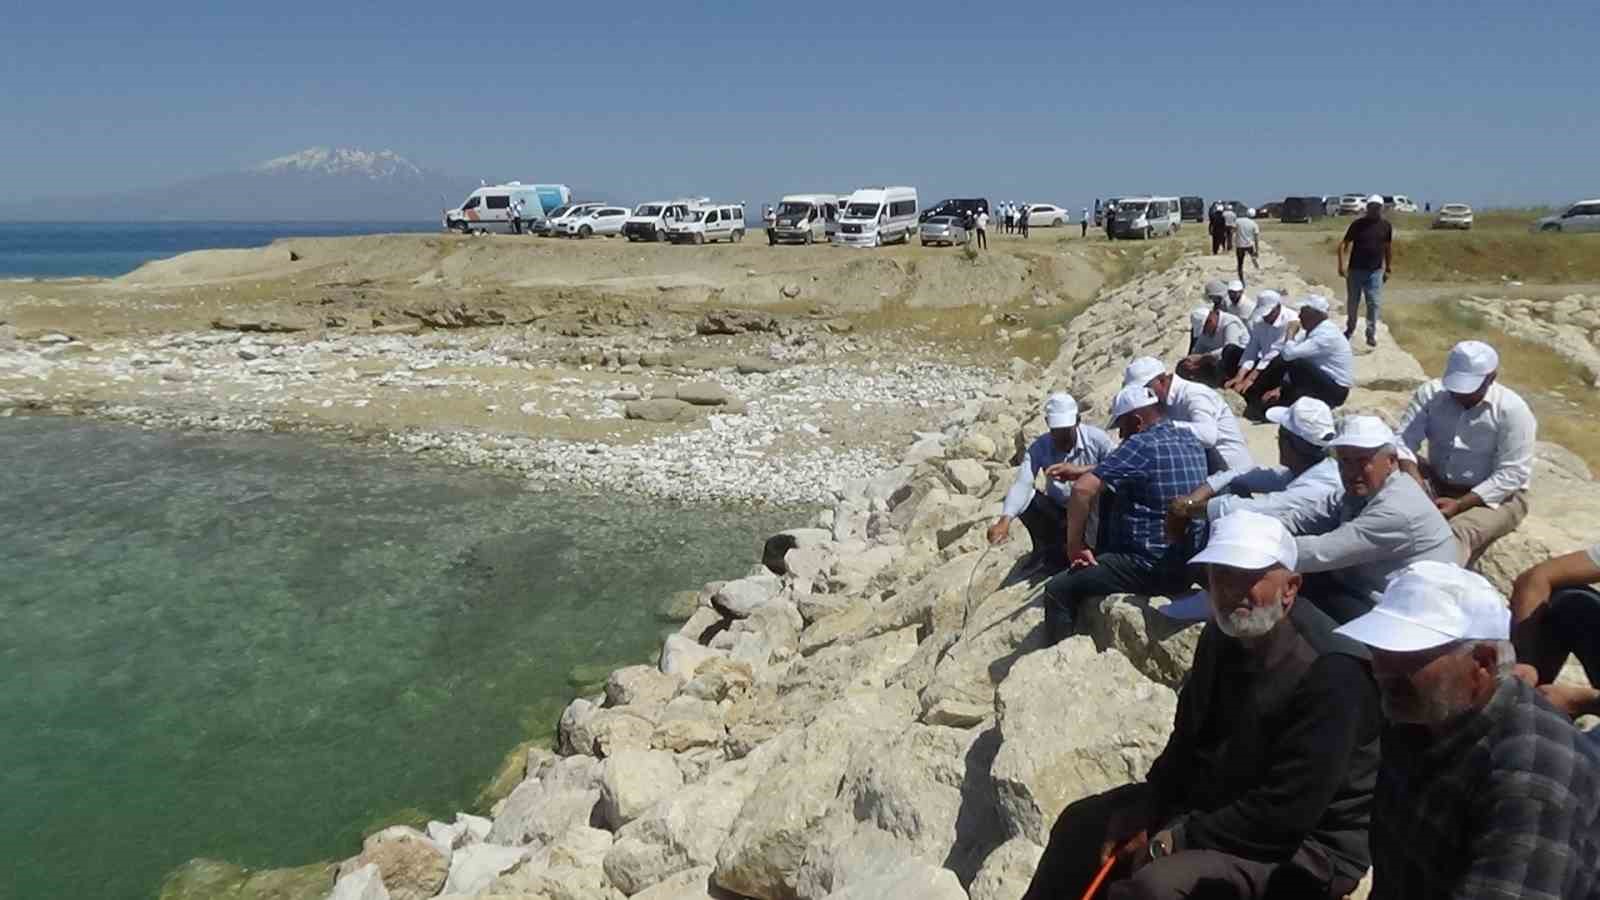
point(489, 208)
point(705, 224)
point(804, 219)
point(875, 216)
point(649, 220)
point(1175, 207)
point(1145, 217)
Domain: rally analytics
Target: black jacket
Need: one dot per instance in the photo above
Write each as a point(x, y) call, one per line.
point(1274, 755)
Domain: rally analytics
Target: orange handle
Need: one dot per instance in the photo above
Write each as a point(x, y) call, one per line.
point(1105, 870)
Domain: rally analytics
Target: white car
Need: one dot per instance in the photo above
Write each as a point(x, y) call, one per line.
point(557, 223)
point(1399, 203)
point(1047, 215)
point(606, 221)
point(1581, 216)
point(1454, 215)
point(1352, 205)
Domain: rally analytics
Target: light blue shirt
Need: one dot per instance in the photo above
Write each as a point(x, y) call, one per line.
point(1093, 445)
point(1299, 502)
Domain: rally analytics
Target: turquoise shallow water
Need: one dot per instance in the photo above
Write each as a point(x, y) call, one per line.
point(255, 647)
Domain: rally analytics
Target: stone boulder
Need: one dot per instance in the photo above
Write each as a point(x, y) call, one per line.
point(1007, 872)
point(739, 598)
point(412, 865)
point(1073, 722)
point(541, 809)
point(968, 475)
point(911, 880)
point(364, 883)
point(659, 409)
point(691, 884)
point(262, 322)
point(777, 548)
point(475, 867)
point(1159, 647)
point(681, 656)
point(735, 321)
point(703, 393)
point(644, 686)
point(632, 781)
point(570, 868)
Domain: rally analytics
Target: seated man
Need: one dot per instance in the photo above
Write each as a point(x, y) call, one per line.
point(1264, 787)
point(1268, 331)
point(1216, 343)
point(1065, 452)
point(1155, 462)
point(1294, 492)
point(1480, 438)
point(1483, 789)
point(1196, 409)
point(1555, 614)
point(1318, 362)
point(1382, 523)
point(1238, 304)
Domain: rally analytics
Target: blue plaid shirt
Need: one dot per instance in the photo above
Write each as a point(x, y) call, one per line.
point(1148, 471)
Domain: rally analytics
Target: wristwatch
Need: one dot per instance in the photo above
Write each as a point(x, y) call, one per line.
point(1159, 846)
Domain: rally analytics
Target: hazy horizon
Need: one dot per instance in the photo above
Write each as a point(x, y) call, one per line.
point(1034, 102)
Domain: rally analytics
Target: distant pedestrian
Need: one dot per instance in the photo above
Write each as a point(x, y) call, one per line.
point(1246, 233)
point(1369, 242)
point(1427, 207)
point(1219, 229)
point(1005, 217)
point(969, 224)
point(1229, 217)
point(1110, 219)
point(516, 215)
point(1084, 221)
point(983, 229)
point(1022, 220)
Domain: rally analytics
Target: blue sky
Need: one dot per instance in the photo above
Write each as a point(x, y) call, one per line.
point(1492, 103)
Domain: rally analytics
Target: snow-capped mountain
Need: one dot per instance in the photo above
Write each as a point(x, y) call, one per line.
point(315, 184)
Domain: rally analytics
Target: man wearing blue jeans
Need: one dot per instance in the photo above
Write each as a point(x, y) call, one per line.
point(1367, 245)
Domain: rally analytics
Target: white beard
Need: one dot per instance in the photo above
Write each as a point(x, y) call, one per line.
point(1253, 622)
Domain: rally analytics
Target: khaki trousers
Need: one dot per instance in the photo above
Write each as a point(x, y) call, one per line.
point(1481, 526)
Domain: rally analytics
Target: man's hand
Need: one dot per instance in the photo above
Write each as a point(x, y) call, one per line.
point(1065, 471)
point(1386, 276)
point(1341, 268)
point(1081, 558)
point(1447, 507)
point(1126, 833)
point(1270, 398)
point(1000, 531)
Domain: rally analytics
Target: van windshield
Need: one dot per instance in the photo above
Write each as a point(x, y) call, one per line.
point(794, 209)
point(862, 210)
point(559, 211)
point(648, 209)
point(1131, 210)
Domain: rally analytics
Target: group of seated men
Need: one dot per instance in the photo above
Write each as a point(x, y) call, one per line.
point(1355, 699)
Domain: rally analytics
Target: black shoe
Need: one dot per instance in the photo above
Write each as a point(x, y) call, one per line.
point(1372, 340)
point(1349, 333)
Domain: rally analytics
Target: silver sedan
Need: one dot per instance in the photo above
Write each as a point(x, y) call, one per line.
point(943, 230)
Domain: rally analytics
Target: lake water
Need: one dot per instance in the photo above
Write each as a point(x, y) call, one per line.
point(108, 249)
point(257, 647)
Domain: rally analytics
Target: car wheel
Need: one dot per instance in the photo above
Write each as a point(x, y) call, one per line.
point(700, 237)
point(808, 239)
point(1059, 222)
point(464, 228)
point(1148, 232)
point(738, 235)
point(1551, 227)
point(584, 231)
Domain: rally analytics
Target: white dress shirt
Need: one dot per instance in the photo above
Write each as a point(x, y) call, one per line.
point(1231, 332)
point(1093, 446)
point(1245, 231)
point(1327, 349)
point(1245, 309)
point(1488, 448)
point(1266, 342)
point(1298, 501)
point(1365, 540)
point(1201, 411)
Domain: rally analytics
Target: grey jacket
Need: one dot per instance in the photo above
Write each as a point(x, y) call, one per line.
point(1365, 540)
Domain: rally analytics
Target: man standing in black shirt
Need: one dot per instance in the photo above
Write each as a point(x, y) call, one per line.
point(1368, 242)
point(1219, 231)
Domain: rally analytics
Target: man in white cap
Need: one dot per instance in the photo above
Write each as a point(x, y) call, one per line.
point(1216, 344)
point(1246, 234)
point(1483, 789)
point(1317, 363)
point(1229, 218)
point(1269, 330)
point(1194, 408)
point(1369, 244)
point(1238, 304)
point(1068, 450)
point(1295, 492)
point(1264, 787)
point(1382, 523)
point(1480, 438)
point(1155, 462)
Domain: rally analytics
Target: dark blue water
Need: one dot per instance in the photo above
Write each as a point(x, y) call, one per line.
point(257, 648)
point(108, 249)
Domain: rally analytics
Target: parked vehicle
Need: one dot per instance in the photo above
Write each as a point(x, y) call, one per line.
point(706, 224)
point(605, 221)
point(946, 230)
point(1047, 215)
point(956, 206)
point(1352, 204)
point(556, 223)
point(804, 219)
point(1399, 203)
point(489, 207)
point(1454, 215)
point(1192, 209)
point(875, 216)
point(1302, 209)
point(1581, 216)
point(1144, 217)
point(1100, 214)
point(649, 220)
point(1269, 210)
point(1174, 211)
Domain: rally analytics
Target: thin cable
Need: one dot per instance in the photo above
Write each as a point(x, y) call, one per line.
point(967, 612)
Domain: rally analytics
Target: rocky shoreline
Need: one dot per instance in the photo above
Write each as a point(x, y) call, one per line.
point(871, 713)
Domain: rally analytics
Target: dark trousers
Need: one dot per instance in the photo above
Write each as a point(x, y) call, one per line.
point(1046, 521)
point(1212, 370)
point(1085, 232)
point(1570, 625)
point(1071, 861)
point(1240, 253)
point(1218, 241)
point(1112, 573)
point(1330, 595)
point(1297, 379)
point(516, 226)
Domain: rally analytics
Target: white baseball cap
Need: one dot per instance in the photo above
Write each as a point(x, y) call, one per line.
point(1430, 604)
point(1314, 301)
point(1060, 411)
point(1249, 540)
point(1375, 198)
point(1130, 398)
point(1236, 285)
point(1215, 288)
point(1307, 418)
point(1470, 362)
point(1366, 432)
point(1141, 370)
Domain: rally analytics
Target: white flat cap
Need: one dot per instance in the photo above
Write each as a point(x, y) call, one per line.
point(1314, 301)
point(1236, 285)
point(1249, 540)
point(1215, 288)
point(1060, 411)
point(1430, 604)
point(1470, 362)
point(1375, 198)
point(1367, 432)
point(1307, 418)
point(1130, 398)
point(1141, 370)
